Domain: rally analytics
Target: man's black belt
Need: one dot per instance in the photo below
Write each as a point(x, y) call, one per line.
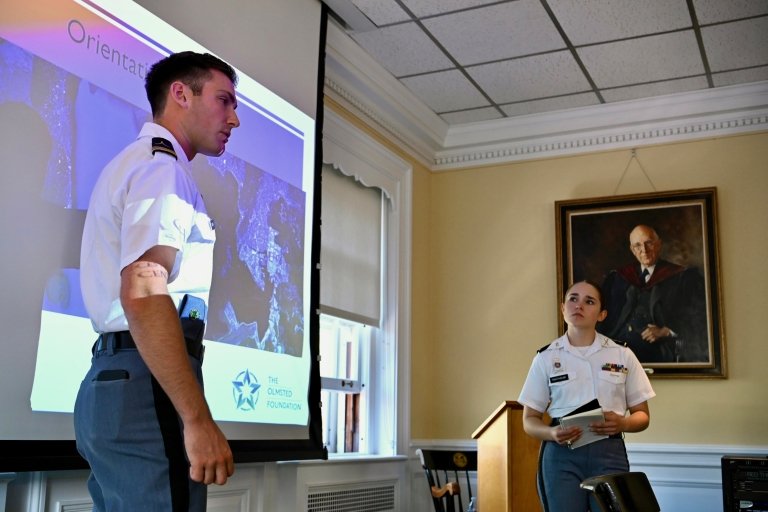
point(556, 421)
point(122, 340)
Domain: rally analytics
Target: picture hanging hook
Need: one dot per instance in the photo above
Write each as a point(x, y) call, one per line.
point(633, 156)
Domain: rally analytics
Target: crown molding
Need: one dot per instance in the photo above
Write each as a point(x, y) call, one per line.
point(361, 85)
point(672, 118)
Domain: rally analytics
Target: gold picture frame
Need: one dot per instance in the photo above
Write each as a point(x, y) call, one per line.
point(681, 303)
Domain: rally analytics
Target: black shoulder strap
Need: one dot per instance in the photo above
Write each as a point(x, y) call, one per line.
point(163, 146)
point(620, 343)
point(542, 349)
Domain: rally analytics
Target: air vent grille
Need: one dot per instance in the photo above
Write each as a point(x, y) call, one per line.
point(379, 498)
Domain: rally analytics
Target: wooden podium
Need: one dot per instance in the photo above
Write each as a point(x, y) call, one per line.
point(507, 461)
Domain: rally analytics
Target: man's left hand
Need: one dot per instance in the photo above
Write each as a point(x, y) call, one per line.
point(653, 332)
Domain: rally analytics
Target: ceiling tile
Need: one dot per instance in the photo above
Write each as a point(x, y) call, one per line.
point(736, 45)
point(713, 11)
point(634, 92)
point(496, 32)
point(403, 49)
point(445, 91)
point(513, 52)
point(552, 74)
point(740, 77)
point(647, 59)
point(550, 104)
point(471, 116)
point(382, 12)
point(423, 8)
point(592, 21)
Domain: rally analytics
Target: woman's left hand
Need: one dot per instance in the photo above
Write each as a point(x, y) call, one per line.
point(613, 424)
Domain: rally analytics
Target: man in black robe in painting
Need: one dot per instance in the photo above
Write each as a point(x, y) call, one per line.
point(657, 307)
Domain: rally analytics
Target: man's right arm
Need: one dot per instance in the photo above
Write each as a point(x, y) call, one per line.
point(155, 327)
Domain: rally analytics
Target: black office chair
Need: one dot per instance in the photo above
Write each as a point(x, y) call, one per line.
point(622, 492)
point(453, 465)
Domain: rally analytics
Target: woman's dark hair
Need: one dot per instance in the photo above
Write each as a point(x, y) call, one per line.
point(593, 285)
point(192, 69)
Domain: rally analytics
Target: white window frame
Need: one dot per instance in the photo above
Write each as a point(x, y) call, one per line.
point(338, 388)
point(356, 154)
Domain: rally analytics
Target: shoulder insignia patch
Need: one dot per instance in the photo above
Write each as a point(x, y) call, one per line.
point(542, 349)
point(163, 146)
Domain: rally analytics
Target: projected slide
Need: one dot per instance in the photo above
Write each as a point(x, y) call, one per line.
point(71, 97)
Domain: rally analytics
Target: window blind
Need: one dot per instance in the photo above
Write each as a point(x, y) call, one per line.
point(350, 248)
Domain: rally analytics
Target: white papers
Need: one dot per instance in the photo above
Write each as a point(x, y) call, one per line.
point(583, 420)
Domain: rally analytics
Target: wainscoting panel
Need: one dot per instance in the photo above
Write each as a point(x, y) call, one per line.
point(685, 478)
point(66, 491)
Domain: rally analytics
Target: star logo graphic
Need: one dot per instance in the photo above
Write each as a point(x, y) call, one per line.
point(245, 390)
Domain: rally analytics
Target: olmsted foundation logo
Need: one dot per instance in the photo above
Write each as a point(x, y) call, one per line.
point(245, 390)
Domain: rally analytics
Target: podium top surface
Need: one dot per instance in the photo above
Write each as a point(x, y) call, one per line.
point(503, 407)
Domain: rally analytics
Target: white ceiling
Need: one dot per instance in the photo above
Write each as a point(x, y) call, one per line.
point(481, 60)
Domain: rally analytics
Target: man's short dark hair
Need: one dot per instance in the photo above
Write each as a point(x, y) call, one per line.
point(192, 69)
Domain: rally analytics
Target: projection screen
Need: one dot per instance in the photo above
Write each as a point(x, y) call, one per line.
point(71, 96)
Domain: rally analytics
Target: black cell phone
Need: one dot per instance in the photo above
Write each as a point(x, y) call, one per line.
point(193, 307)
point(107, 375)
point(192, 312)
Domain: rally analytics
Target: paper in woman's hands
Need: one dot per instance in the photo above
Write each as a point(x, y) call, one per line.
point(583, 417)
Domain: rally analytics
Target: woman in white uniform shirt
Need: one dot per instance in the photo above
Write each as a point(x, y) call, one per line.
point(573, 370)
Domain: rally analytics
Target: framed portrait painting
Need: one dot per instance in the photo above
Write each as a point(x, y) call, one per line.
point(655, 257)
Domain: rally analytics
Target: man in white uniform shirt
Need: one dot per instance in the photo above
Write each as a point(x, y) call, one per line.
point(141, 419)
